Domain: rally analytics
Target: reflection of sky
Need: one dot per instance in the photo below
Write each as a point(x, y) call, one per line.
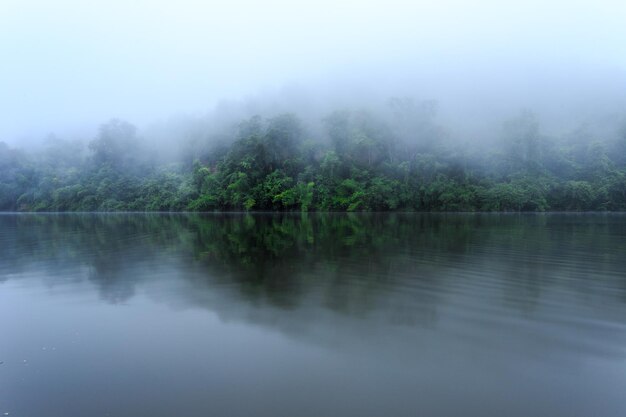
point(177, 348)
point(139, 315)
point(471, 286)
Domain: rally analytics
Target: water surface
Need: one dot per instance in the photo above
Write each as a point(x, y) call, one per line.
point(318, 315)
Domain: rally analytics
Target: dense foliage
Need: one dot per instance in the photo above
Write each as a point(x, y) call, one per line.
point(357, 162)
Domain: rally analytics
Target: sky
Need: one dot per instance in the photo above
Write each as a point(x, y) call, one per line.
point(67, 66)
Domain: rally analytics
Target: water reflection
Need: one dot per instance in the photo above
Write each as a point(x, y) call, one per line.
point(472, 294)
point(401, 267)
point(270, 254)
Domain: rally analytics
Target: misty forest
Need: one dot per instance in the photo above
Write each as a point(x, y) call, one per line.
point(401, 159)
point(338, 208)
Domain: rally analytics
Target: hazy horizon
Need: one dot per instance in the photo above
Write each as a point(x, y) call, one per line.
point(70, 66)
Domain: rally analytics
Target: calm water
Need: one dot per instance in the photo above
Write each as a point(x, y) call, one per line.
point(323, 315)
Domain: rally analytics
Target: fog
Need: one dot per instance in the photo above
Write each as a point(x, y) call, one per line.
point(69, 66)
point(312, 106)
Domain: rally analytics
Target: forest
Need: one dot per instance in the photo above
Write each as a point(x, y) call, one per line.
point(352, 160)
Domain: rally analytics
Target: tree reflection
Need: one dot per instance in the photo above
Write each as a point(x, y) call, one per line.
point(399, 265)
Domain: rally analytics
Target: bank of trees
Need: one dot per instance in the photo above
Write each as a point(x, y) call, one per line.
point(359, 163)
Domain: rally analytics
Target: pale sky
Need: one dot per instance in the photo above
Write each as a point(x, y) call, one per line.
point(74, 64)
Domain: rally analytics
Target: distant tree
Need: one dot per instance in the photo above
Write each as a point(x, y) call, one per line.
point(414, 125)
point(116, 144)
point(523, 141)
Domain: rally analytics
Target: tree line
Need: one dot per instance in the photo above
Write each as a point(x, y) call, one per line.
point(356, 161)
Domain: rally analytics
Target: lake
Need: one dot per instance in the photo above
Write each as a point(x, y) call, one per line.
point(313, 315)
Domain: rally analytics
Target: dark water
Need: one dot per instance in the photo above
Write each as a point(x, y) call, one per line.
point(324, 315)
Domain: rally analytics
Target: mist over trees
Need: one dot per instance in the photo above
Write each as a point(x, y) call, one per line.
point(398, 159)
